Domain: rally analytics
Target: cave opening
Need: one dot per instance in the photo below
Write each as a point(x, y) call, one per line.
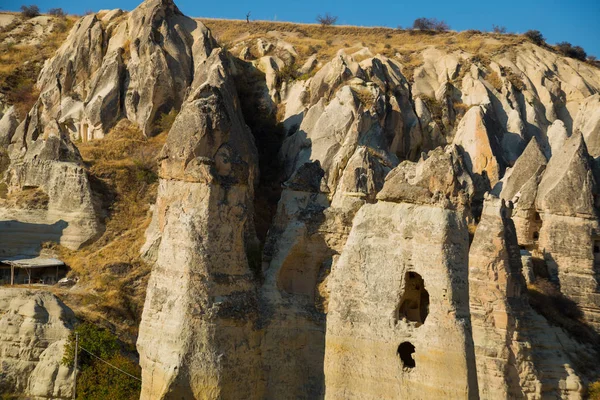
point(405, 352)
point(414, 304)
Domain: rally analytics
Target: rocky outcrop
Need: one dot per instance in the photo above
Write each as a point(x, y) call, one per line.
point(398, 322)
point(34, 327)
point(201, 294)
point(134, 65)
point(517, 352)
point(50, 164)
point(569, 227)
point(365, 285)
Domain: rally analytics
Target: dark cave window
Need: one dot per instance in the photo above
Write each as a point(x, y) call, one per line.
point(405, 352)
point(536, 236)
point(414, 305)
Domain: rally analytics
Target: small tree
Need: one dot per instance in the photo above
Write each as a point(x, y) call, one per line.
point(326, 19)
point(57, 12)
point(568, 50)
point(498, 29)
point(30, 11)
point(99, 341)
point(535, 36)
point(430, 24)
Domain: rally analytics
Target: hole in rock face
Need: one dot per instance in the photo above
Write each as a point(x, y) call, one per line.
point(536, 235)
point(405, 352)
point(414, 305)
point(596, 247)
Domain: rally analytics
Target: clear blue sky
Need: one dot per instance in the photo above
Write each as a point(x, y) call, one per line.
point(575, 21)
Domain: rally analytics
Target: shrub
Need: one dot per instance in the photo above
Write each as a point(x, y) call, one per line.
point(430, 24)
point(30, 11)
point(96, 340)
point(592, 58)
point(535, 36)
point(568, 50)
point(326, 19)
point(498, 29)
point(57, 12)
point(101, 381)
point(97, 380)
point(494, 79)
point(594, 390)
point(165, 121)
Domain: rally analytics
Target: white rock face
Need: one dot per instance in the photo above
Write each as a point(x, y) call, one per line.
point(135, 66)
point(507, 354)
point(365, 287)
point(34, 327)
point(376, 346)
point(201, 297)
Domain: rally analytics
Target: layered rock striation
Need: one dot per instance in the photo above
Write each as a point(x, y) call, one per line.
point(406, 197)
point(34, 328)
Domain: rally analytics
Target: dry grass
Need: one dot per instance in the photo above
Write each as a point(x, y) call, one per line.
point(494, 79)
point(328, 40)
point(594, 390)
point(17, 79)
point(364, 96)
point(30, 199)
point(113, 278)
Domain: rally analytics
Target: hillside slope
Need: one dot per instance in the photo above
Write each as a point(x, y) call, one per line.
point(275, 210)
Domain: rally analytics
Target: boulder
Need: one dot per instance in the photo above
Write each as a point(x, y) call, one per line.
point(34, 327)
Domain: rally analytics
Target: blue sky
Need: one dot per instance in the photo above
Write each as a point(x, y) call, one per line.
point(575, 21)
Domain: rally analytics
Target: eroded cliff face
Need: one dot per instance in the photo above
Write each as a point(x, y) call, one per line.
point(202, 294)
point(34, 327)
point(386, 270)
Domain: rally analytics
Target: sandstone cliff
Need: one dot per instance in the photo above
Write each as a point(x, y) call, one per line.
point(339, 222)
point(34, 327)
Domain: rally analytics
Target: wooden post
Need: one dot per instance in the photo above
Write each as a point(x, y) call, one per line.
point(75, 367)
point(12, 275)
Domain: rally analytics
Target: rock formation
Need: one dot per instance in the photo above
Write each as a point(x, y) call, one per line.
point(34, 327)
point(515, 348)
point(201, 294)
point(398, 312)
point(404, 191)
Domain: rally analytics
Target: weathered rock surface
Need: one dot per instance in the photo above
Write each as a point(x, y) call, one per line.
point(135, 66)
point(34, 327)
point(201, 295)
point(398, 313)
point(366, 285)
point(517, 352)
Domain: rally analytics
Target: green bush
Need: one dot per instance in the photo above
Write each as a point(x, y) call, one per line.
point(165, 121)
point(327, 19)
point(535, 36)
point(98, 380)
point(57, 12)
point(498, 29)
point(96, 340)
point(430, 24)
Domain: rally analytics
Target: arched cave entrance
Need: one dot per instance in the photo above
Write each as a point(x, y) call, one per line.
point(414, 304)
point(405, 352)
